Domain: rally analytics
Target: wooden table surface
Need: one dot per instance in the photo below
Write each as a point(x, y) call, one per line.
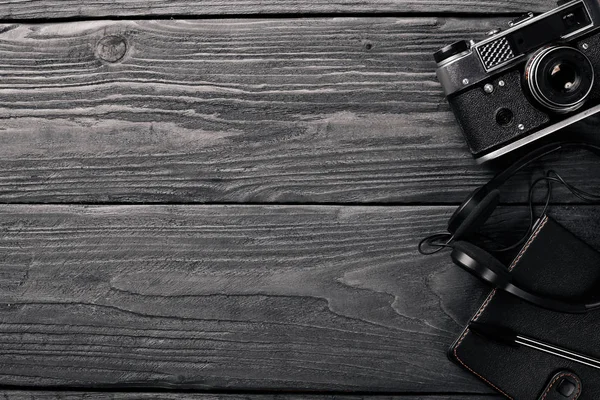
point(218, 199)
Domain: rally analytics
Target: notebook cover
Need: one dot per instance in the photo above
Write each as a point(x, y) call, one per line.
point(555, 263)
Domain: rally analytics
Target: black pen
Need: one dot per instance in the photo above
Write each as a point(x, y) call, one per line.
point(508, 336)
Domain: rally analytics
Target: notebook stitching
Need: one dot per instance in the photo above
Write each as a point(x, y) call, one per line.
point(556, 380)
point(531, 239)
point(487, 302)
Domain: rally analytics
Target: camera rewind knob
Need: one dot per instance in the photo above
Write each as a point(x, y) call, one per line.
point(451, 50)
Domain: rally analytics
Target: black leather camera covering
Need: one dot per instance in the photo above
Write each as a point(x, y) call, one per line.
point(593, 53)
point(476, 113)
point(552, 263)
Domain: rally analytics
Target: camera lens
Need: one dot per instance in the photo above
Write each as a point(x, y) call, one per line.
point(560, 78)
point(563, 77)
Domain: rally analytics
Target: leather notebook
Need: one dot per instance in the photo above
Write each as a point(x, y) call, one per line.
point(553, 262)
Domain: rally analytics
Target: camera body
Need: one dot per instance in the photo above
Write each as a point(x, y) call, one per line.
point(527, 81)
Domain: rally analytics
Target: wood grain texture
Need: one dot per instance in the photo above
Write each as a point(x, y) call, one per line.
point(43, 395)
point(19, 9)
point(236, 297)
point(303, 298)
point(300, 110)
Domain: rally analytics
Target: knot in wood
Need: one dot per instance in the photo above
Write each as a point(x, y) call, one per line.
point(112, 48)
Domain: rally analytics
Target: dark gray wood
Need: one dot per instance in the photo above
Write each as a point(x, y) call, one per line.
point(301, 298)
point(43, 395)
point(297, 298)
point(236, 297)
point(9, 9)
point(301, 110)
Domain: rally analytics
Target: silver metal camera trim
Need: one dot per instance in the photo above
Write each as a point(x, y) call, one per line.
point(538, 135)
point(452, 72)
point(529, 22)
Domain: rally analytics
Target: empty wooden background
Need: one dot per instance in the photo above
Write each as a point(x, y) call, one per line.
point(217, 199)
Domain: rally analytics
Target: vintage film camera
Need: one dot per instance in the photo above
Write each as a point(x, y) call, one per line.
point(527, 81)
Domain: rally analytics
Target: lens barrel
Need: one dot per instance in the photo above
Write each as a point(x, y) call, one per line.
point(560, 78)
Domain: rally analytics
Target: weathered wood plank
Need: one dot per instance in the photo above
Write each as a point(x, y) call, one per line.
point(303, 110)
point(303, 298)
point(43, 395)
point(235, 297)
point(18, 9)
